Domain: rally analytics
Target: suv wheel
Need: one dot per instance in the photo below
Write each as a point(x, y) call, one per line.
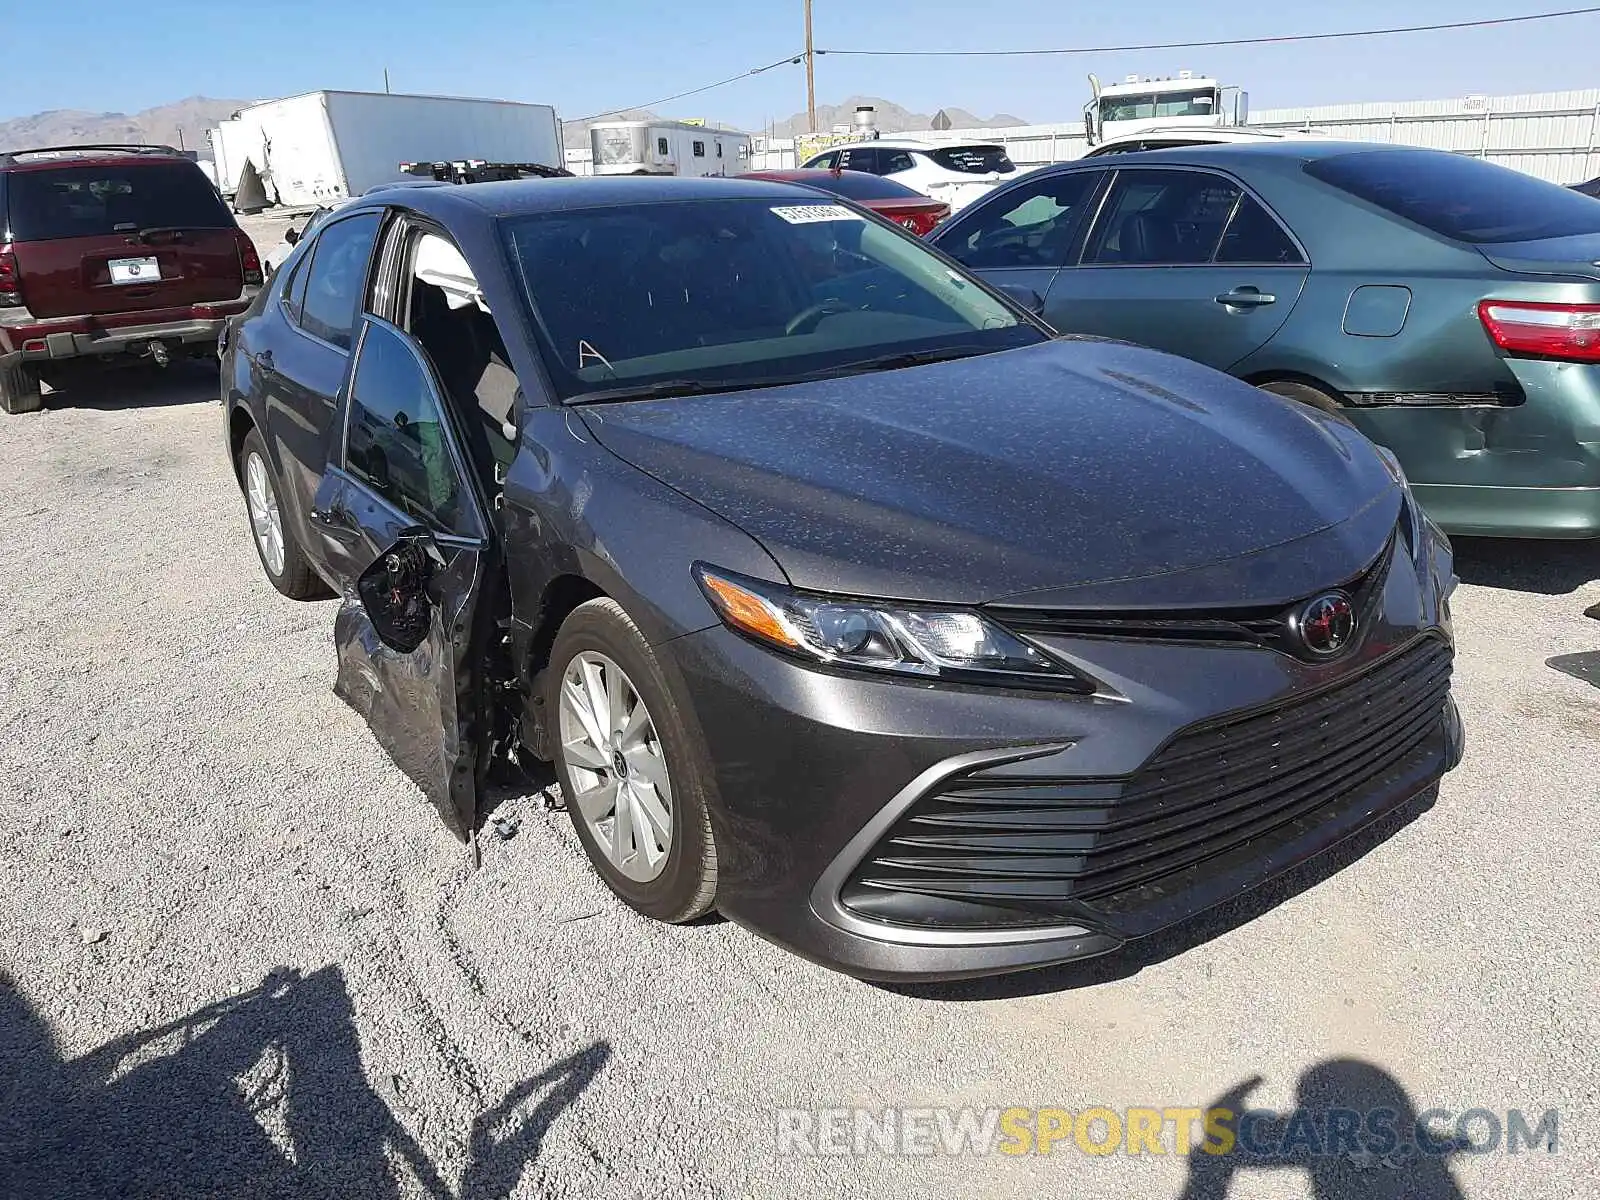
point(628, 766)
point(19, 389)
point(281, 557)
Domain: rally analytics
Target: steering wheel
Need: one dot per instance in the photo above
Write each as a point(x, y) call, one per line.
point(809, 317)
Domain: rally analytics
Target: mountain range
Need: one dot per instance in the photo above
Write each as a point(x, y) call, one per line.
point(183, 123)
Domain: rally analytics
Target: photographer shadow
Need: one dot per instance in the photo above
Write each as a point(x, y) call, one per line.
point(1300, 1141)
point(261, 1095)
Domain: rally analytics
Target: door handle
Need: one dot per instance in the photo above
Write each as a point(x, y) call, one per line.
point(336, 522)
point(1246, 297)
point(265, 363)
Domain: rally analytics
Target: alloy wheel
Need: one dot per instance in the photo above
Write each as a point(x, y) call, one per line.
point(265, 520)
point(617, 766)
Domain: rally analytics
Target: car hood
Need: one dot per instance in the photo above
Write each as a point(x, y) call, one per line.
point(1071, 463)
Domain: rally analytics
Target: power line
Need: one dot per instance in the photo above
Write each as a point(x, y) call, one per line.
point(793, 59)
point(1249, 41)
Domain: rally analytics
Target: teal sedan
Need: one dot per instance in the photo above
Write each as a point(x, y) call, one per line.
point(1448, 308)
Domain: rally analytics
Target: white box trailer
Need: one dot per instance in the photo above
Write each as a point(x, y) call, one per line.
point(233, 142)
point(324, 146)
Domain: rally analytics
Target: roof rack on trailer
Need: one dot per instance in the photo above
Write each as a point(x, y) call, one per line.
point(476, 170)
point(8, 157)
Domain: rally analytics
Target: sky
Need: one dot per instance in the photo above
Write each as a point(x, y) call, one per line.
point(605, 54)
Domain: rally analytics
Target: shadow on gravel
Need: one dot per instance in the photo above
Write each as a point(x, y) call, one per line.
point(1158, 947)
point(1550, 568)
point(122, 385)
point(261, 1095)
point(1354, 1132)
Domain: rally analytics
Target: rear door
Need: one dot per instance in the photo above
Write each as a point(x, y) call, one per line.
point(406, 516)
point(1183, 260)
point(1023, 236)
point(125, 235)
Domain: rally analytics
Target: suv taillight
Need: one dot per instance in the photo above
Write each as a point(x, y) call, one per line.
point(1565, 331)
point(10, 279)
point(249, 260)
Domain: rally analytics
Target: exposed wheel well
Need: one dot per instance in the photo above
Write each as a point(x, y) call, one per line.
point(1311, 381)
point(239, 427)
point(565, 593)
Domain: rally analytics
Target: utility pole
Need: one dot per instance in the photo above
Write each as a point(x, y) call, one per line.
point(811, 75)
point(386, 81)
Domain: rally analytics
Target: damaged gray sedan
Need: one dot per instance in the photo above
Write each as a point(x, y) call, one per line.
point(842, 595)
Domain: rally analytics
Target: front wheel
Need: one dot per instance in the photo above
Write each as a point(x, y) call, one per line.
point(628, 766)
point(281, 557)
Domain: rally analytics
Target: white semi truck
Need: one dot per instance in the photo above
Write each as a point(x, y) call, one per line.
point(1137, 104)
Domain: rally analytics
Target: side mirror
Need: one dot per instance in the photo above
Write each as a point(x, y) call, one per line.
point(291, 235)
point(393, 590)
point(1025, 296)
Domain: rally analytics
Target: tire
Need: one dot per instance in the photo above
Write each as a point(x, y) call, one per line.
point(681, 883)
point(294, 576)
point(1304, 393)
point(19, 389)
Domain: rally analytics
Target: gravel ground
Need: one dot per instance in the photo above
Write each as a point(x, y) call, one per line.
point(245, 959)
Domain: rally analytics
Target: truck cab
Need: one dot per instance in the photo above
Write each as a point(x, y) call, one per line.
point(1136, 104)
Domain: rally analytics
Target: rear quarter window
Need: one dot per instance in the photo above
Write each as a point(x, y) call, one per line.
point(1461, 198)
point(974, 160)
point(91, 201)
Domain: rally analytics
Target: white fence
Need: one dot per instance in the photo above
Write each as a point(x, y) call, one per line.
point(1553, 135)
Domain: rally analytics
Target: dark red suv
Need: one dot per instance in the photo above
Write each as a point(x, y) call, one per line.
point(112, 250)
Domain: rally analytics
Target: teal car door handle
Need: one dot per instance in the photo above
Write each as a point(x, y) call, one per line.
point(1246, 297)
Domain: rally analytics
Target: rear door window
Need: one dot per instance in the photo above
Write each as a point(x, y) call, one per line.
point(1167, 218)
point(1461, 198)
point(859, 158)
point(1253, 236)
point(974, 160)
point(92, 201)
point(336, 281)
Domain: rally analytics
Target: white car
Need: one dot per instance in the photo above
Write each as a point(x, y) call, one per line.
point(957, 173)
point(1190, 135)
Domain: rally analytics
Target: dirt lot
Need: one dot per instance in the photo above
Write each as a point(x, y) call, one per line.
point(245, 959)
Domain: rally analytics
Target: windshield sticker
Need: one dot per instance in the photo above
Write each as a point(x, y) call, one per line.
point(809, 214)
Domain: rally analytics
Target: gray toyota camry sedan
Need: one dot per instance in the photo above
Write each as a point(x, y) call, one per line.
point(843, 597)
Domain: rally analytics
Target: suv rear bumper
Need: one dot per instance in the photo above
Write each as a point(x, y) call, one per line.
point(52, 339)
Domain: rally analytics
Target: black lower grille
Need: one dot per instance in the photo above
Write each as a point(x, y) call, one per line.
point(982, 852)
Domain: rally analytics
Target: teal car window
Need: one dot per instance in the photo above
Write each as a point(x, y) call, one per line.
point(1032, 227)
point(1162, 217)
point(1253, 236)
point(1461, 198)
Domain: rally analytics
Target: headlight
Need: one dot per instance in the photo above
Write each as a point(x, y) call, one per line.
point(956, 645)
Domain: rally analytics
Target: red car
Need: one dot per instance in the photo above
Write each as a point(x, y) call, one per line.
point(112, 250)
point(883, 196)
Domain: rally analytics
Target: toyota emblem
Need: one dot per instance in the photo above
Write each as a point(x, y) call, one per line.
point(134, 269)
point(1327, 624)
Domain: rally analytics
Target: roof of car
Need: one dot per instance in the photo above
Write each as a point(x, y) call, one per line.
point(30, 158)
point(1287, 149)
point(912, 144)
point(522, 197)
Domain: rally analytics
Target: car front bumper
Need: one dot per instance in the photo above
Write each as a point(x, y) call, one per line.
point(832, 786)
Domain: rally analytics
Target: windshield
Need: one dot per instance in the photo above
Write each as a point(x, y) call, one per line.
point(1459, 197)
point(724, 294)
point(973, 160)
point(69, 202)
point(1198, 103)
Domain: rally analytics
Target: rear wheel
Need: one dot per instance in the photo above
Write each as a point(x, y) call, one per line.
point(628, 766)
point(19, 389)
point(1304, 393)
point(281, 557)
